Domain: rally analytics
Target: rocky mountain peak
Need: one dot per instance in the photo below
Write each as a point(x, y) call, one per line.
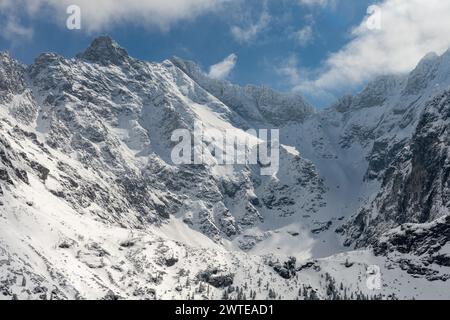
point(258, 104)
point(4, 56)
point(11, 72)
point(425, 72)
point(187, 66)
point(377, 91)
point(6, 61)
point(105, 50)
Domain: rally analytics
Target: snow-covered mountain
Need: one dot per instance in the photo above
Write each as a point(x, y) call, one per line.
point(91, 205)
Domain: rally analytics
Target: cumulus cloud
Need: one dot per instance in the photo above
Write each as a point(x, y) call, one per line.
point(101, 14)
point(249, 33)
point(409, 29)
point(223, 69)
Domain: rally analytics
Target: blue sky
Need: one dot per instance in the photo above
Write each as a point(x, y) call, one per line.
point(289, 45)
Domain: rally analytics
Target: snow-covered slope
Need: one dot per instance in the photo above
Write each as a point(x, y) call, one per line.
point(91, 205)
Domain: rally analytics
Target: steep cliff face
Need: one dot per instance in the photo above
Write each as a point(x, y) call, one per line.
point(11, 75)
point(415, 186)
point(406, 153)
point(423, 190)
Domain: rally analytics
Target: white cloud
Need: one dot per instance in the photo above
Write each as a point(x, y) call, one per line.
point(101, 14)
point(250, 32)
point(304, 36)
point(290, 70)
point(223, 69)
point(409, 30)
point(321, 3)
point(11, 27)
point(12, 30)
